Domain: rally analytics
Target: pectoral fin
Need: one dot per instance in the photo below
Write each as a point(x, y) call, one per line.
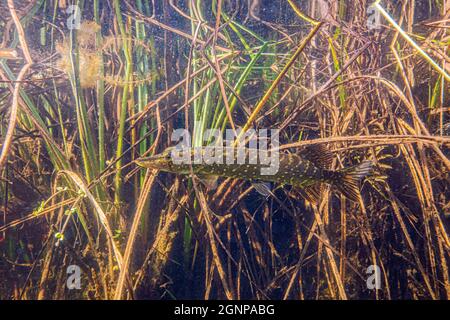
point(210, 182)
point(262, 188)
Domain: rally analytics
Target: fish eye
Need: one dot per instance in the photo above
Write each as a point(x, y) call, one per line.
point(167, 154)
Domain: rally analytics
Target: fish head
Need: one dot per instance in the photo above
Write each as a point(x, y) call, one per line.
point(167, 161)
point(162, 161)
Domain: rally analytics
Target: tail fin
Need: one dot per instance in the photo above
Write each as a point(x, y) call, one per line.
point(348, 179)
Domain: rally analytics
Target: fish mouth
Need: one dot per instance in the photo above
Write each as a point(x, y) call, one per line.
point(149, 162)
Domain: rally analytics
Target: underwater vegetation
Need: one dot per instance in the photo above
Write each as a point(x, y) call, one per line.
point(90, 61)
point(92, 92)
point(90, 57)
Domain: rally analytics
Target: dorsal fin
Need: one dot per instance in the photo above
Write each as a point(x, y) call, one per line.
point(319, 155)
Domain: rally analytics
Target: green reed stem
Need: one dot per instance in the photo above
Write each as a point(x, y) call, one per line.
point(124, 104)
point(100, 93)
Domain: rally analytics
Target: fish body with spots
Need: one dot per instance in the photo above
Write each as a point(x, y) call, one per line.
point(248, 164)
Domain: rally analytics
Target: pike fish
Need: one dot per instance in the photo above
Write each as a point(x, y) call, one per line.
point(307, 170)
